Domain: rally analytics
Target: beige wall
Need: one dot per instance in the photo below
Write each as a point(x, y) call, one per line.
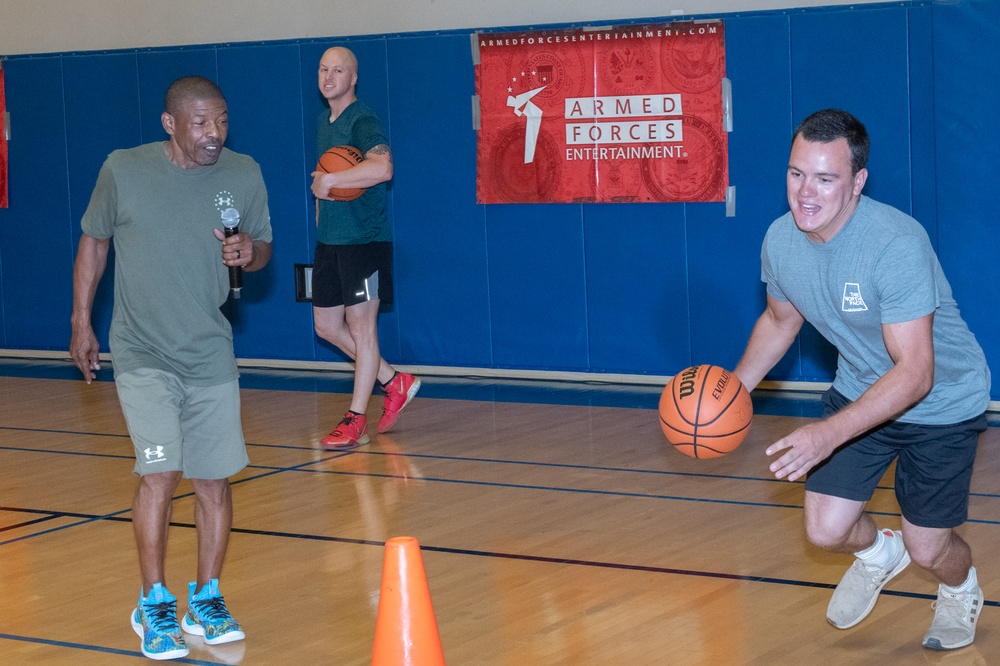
point(49, 26)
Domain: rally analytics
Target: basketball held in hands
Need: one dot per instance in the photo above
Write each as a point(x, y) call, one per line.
point(337, 159)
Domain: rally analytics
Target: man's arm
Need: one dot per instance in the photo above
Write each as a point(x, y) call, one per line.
point(911, 347)
point(772, 335)
point(374, 169)
point(91, 260)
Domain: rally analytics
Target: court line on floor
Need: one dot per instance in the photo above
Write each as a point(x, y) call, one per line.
point(614, 493)
point(587, 393)
point(27, 523)
point(86, 519)
point(304, 467)
point(642, 568)
point(419, 456)
point(101, 649)
point(424, 456)
point(535, 558)
point(600, 468)
point(116, 517)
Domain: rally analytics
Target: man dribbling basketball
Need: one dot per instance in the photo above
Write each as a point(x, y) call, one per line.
point(352, 273)
point(912, 383)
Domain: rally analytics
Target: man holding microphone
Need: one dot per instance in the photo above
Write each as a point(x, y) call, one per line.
point(164, 204)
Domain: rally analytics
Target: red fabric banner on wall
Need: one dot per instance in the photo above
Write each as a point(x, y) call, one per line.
point(621, 114)
point(3, 143)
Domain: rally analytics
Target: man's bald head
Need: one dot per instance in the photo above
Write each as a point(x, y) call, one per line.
point(342, 56)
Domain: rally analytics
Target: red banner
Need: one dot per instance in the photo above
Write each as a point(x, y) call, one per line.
point(3, 143)
point(621, 114)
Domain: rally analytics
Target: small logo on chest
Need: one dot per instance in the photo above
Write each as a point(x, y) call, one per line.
point(852, 298)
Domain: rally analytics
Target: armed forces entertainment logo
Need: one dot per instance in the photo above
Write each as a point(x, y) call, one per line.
point(628, 113)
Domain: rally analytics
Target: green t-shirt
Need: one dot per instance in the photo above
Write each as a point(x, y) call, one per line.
point(169, 277)
point(363, 220)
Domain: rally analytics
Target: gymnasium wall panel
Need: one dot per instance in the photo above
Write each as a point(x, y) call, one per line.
point(724, 274)
point(537, 272)
point(36, 240)
point(966, 49)
point(857, 61)
point(921, 92)
point(638, 305)
point(442, 283)
point(264, 94)
point(727, 295)
point(104, 117)
point(103, 90)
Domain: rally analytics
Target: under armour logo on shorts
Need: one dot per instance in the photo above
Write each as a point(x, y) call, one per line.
point(154, 455)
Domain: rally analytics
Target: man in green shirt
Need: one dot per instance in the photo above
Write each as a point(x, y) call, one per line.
point(352, 270)
point(175, 370)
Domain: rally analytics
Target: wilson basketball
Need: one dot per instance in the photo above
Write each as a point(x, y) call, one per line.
point(337, 159)
point(705, 411)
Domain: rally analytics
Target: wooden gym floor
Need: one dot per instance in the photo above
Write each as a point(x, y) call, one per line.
point(556, 527)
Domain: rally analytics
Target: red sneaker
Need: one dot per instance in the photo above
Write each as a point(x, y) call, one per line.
point(398, 394)
point(350, 433)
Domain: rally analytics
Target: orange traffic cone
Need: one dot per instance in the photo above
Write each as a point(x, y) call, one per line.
point(406, 632)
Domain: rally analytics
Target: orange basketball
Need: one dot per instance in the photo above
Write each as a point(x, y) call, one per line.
point(337, 159)
point(705, 411)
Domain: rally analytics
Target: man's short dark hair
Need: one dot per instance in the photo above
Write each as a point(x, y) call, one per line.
point(188, 88)
point(830, 125)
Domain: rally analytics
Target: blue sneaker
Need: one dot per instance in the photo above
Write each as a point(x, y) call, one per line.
point(155, 621)
point(207, 615)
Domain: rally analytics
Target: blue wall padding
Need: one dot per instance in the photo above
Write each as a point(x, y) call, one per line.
point(36, 232)
point(441, 271)
point(634, 294)
point(603, 288)
point(966, 97)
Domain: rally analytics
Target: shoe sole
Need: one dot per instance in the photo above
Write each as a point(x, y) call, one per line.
point(346, 446)
point(231, 637)
point(410, 394)
point(935, 644)
point(198, 630)
point(903, 563)
point(137, 628)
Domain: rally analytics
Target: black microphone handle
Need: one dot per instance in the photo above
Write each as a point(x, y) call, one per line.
point(235, 272)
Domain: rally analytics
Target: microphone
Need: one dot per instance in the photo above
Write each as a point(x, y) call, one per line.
point(231, 221)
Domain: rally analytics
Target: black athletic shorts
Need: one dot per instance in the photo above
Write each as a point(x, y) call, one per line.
point(351, 274)
point(933, 466)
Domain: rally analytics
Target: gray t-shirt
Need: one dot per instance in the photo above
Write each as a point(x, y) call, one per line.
point(169, 277)
point(879, 269)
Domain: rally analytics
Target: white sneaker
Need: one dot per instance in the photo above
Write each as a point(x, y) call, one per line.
point(858, 590)
point(955, 617)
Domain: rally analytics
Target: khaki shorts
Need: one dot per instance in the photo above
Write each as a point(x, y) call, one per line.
point(174, 427)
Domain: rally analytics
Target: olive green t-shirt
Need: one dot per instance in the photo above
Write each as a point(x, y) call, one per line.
point(169, 277)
